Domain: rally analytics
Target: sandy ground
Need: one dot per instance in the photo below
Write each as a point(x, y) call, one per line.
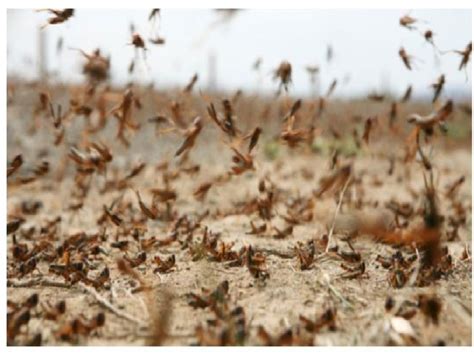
point(276, 302)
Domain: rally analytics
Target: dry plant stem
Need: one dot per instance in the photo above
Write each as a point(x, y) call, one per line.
point(331, 288)
point(103, 302)
point(414, 275)
point(37, 282)
point(338, 295)
point(341, 196)
point(279, 253)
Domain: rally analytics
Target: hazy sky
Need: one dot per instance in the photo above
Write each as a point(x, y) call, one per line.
point(365, 43)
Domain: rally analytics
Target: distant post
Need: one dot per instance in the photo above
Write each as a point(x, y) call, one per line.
point(42, 55)
point(385, 88)
point(212, 74)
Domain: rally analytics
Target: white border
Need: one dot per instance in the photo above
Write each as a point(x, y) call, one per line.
point(276, 4)
point(175, 4)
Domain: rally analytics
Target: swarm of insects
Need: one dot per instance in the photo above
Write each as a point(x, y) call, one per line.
point(192, 215)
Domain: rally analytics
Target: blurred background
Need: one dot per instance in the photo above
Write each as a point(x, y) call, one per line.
point(359, 48)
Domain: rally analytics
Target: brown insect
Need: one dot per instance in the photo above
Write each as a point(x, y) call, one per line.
point(431, 307)
point(191, 84)
point(331, 88)
point(41, 169)
point(254, 138)
point(160, 120)
point(227, 123)
point(294, 108)
point(14, 224)
point(154, 14)
point(353, 272)
point(15, 164)
point(228, 328)
point(283, 73)
point(97, 67)
point(334, 180)
point(349, 256)
point(53, 312)
point(376, 97)
point(305, 254)
point(122, 245)
point(15, 321)
point(137, 260)
point(393, 114)
point(164, 265)
point(27, 267)
point(176, 112)
point(29, 303)
point(283, 234)
point(60, 16)
point(76, 205)
point(438, 87)
point(367, 128)
point(427, 123)
point(465, 54)
point(327, 319)
point(209, 299)
point(79, 327)
point(157, 40)
point(242, 163)
point(257, 229)
point(202, 190)
point(59, 136)
point(256, 264)
point(35, 340)
point(102, 278)
point(321, 106)
point(237, 95)
point(115, 219)
point(286, 338)
point(125, 268)
point(453, 187)
point(138, 42)
point(405, 58)
point(404, 210)
point(407, 21)
point(190, 136)
point(123, 113)
point(136, 170)
point(56, 115)
point(164, 195)
point(151, 213)
point(131, 66)
point(293, 137)
point(428, 35)
point(31, 207)
point(407, 94)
